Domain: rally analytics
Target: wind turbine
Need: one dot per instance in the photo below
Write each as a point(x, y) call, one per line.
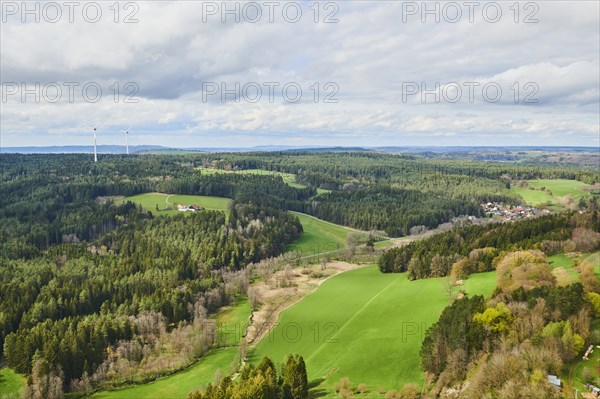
point(95, 153)
point(127, 139)
point(94, 131)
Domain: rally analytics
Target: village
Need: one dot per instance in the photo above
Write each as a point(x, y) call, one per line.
point(510, 212)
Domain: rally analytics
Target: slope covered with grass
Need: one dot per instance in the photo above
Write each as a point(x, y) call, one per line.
point(360, 320)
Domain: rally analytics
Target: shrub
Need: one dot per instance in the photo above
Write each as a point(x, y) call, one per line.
point(391, 395)
point(362, 388)
point(594, 300)
point(409, 391)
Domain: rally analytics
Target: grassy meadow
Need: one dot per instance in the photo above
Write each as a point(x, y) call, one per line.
point(563, 269)
point(288, 178)
point(150, 201)
point(534, 195)
point(178, 385)
point(564, 266)
point(359, 320)
point(353, 323)
point(321, 236)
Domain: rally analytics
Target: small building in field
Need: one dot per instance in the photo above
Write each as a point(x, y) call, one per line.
point(189, 208)
point(554, 381)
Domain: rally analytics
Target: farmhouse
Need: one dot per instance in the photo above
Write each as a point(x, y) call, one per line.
point(554, 380)
point(189, 208)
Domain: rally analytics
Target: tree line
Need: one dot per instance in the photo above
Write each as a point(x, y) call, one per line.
point(473, 248)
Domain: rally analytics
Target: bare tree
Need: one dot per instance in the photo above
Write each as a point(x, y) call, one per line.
point(254, 297)
point(449, 289)
point(352, 242)
point(44, 383)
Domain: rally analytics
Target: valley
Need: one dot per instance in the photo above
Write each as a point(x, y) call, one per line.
point(349, 271)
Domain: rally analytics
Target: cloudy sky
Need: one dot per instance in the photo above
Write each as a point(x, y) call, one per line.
point(240, 74)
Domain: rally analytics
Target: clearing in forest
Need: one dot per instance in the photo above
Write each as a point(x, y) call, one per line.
point(167, 203)
point(552, 193)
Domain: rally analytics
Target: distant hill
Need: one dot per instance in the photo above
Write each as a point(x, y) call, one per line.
point(455, 149)
point(331, 149)
point(80, 149)
point(157, 149)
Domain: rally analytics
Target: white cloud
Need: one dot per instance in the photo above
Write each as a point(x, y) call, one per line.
point(369, 54)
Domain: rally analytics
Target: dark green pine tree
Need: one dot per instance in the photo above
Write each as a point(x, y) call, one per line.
point(303, 378)
point(288, 377)
point(295, 380)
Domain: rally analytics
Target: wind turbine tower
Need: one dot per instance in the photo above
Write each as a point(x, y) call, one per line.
point(95, 153)
point(127, 139)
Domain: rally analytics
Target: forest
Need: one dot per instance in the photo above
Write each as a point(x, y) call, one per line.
point(51, 199)
point(69, 304)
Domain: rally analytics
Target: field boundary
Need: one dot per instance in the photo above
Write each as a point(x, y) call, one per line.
point(278, 311)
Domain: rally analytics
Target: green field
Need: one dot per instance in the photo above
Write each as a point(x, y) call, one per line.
point(150, 201)
point(288, 178)
point(360, 320)
point(384, 244)
point(563, 266)
point(320, 236)
point(178, 385)
point(559, 189)
point(10, 383)
point(231, 323)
